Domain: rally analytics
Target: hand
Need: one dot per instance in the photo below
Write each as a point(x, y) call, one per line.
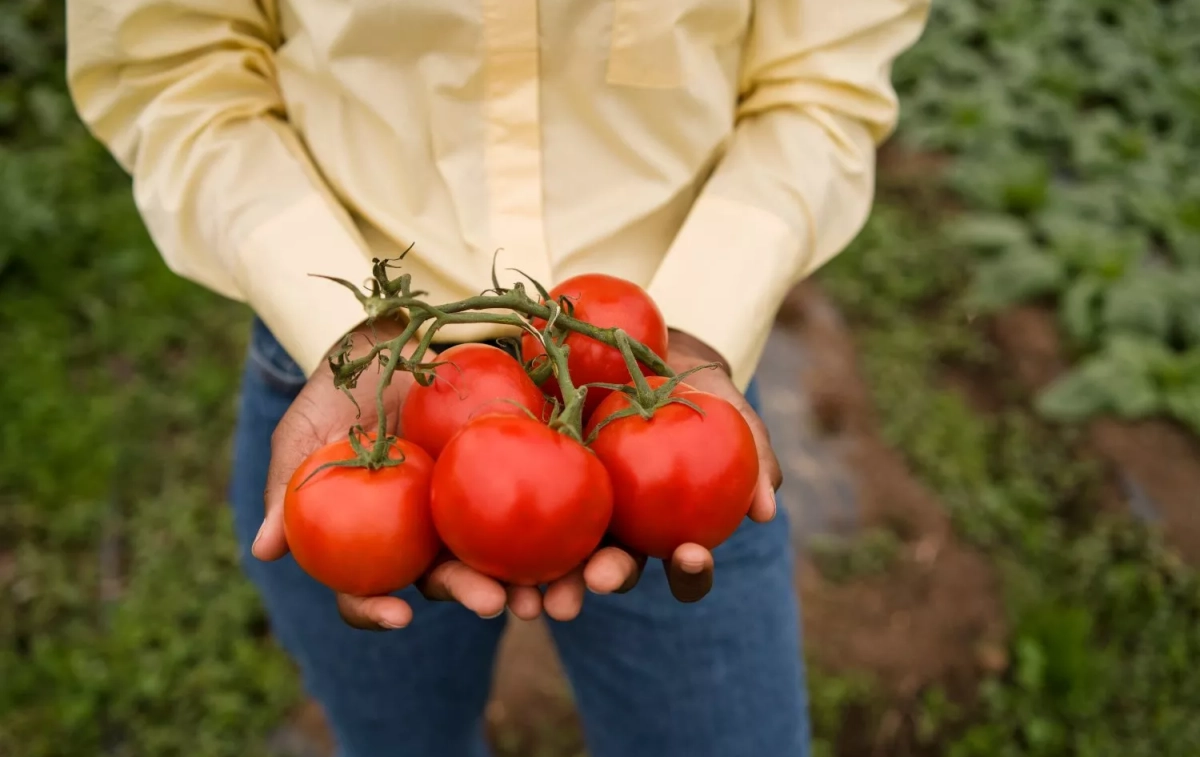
point(321, 414)
point(690, 569)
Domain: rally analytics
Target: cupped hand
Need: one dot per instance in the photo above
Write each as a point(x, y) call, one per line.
point(690, 570)
point(322, 414)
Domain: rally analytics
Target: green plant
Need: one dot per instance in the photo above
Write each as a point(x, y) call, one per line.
point(1103, 615)
point(1076, 158)
point(126, 628)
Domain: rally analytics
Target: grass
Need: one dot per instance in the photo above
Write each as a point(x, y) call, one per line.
point(128, 630)
point(1075, 129)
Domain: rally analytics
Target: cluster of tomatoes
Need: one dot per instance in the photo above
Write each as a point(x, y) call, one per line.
point(484, 477)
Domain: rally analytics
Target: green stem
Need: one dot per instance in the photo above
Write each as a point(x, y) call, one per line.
point(379, 452)
point(515, 300)
point(645, 393)
point(570, 419)
point(505, 307)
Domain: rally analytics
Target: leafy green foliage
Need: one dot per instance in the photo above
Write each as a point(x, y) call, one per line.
point(127, 628)
point(1129, 378)
point(1076, 153)
point(1103, 616)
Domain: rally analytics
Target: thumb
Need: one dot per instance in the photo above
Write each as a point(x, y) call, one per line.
point(295, 438)
point(763, 506)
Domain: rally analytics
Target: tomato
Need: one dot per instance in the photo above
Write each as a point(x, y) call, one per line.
point(607, 302)
point(473, 379)
point(679, 477)
point(518, 501)
point(359, 531)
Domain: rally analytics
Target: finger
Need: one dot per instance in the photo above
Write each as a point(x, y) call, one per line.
point(763, 506)
point(613, 570)
point(290, 445)
point(564, 597)
point(768, 464)
point(271, 544)
point(525, 601)
point(690, 572)
point(374, 613)
point(453, 581)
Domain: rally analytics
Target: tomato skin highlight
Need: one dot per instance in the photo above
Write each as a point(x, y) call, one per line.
point(518, 501)
point(473, 379)
point(604, 301)
point(359, 531)
point(679, 477)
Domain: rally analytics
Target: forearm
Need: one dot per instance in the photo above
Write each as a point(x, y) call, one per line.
point(188, 105)
point(797, 180)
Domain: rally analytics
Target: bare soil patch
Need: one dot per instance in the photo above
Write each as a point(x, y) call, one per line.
point(935, 616)
point(1154, 464)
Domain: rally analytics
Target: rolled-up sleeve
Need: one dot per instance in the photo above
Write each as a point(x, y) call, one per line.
point(184, 95)
point(797, 180)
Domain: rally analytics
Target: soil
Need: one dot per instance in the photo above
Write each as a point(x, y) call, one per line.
point(935, 616)
point(1155, 464)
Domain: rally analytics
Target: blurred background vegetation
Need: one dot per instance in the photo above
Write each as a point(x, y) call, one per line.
point(1045, 166)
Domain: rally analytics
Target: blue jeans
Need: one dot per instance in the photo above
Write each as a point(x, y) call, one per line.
point(652, 677)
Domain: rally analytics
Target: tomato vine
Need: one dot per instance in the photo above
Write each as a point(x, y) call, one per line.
point(386, 296)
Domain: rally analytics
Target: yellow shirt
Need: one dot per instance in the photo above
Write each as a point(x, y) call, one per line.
point(714, 151)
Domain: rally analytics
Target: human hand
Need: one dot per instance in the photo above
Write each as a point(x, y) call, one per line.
point(690, 569)
point(322, 414)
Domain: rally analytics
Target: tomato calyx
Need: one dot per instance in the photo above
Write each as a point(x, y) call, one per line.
point(644, 399)
point(365, 457)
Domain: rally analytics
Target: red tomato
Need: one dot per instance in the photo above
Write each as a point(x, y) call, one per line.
point(607, 302)
point(679, 477)
point(518, 501)
point(359, 531)
point(473, 379)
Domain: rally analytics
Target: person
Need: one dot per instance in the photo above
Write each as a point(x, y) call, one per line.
point(714, 151)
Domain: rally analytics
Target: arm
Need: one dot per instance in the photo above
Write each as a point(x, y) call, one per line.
point(183, 93)
point(797, 181)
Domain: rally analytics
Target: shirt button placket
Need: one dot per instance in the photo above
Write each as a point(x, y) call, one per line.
point(513, 149)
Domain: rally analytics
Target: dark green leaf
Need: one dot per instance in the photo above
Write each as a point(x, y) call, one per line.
point(1015, 276)
point(989, 232)
point(1140, 303)
point(1079, 309)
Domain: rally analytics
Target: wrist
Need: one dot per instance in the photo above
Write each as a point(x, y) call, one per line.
point(695, 351)
point(365, 336)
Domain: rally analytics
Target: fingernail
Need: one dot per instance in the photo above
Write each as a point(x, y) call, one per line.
point(393, 624)
point(691, 567)
point(258, 536)
point(493, 617)
point(764, 485)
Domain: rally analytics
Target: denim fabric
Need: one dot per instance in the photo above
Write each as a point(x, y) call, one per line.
point(652, 677)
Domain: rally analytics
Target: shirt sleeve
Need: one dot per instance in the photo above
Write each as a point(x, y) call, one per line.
point(796, 182)
point(183, 93)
